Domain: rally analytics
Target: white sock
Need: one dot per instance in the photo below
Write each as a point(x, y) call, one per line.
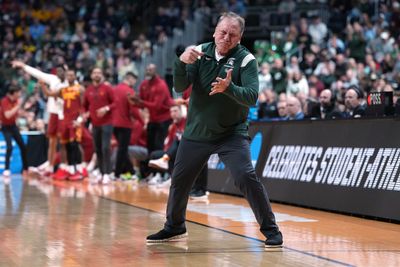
point(63, 166)
point(80, 167)
point(71, 169)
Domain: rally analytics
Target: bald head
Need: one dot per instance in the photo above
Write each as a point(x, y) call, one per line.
point(352, 99)
point(325, 97)
point(293, 106)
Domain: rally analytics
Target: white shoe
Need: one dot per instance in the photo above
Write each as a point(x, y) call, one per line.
point(96, 172)
point(106, 179)
point(43, 166)
point(6, 173)
point(160, 163)
point(32, 169)
point(198, 195)
point(156, 179)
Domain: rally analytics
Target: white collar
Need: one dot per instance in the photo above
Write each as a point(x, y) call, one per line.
point(218, 56)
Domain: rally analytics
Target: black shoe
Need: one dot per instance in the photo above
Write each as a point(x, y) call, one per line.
point(198, 194)
point(165, 236)
point(274, 241)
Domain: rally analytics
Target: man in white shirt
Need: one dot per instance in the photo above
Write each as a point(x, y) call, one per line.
point(318, 30)
point(54, 108)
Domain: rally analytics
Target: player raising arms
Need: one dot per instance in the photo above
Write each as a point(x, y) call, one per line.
point(54, 108)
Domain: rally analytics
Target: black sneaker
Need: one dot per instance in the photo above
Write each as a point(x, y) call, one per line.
point(198, 194)
point(274, 241)
point(165, 236)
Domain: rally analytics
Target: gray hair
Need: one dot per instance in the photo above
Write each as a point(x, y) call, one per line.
point(235, 16)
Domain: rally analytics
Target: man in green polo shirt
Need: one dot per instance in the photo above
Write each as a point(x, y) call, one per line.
point(225, 84)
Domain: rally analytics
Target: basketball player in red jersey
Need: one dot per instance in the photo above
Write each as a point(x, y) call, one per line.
point(71, 127)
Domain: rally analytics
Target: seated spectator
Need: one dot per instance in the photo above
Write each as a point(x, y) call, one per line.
point(341, 65)
point(282, 110)
point(309, 64)
point(335, 45)
point(304, 39)
point(294, 109)
point(279, 76)
point(26, 82)
point(356, 43)
point(326, 108)
point(267, 104)
point(353, 101)
point(325, 70)
point(316, 83)
point(264, 77)
point(318, 30)
point(297, 84)
point(293, 65)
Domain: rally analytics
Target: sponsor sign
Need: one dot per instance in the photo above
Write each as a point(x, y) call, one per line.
point(340, 166)
point(350, 166)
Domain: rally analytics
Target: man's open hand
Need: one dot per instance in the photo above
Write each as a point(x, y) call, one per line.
point(220, 85)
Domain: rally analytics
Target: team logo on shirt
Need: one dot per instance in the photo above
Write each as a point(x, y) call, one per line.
point(229, 64)
point(231, 61)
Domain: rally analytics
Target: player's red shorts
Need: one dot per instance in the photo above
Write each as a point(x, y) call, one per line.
point(53, 126)
point(69, 133)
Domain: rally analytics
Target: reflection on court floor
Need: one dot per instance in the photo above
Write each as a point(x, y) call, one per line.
point(46, 223)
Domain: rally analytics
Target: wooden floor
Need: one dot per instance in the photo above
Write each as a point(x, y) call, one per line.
point(46, 223)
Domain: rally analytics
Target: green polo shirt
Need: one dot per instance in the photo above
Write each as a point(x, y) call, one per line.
point(220, 115)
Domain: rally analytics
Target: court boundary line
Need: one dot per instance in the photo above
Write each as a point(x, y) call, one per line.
point(228, 232)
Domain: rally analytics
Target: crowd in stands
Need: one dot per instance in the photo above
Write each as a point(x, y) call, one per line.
point(85, 34)
point(354, 53)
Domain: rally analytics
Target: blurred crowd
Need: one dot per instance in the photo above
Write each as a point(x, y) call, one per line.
point(315, 69)
point(355, 47)
point(111, 35)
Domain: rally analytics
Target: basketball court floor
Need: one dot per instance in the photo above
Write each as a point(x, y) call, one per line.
point(48, 223)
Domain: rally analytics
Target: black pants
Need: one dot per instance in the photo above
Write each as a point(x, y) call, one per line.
point(74, 154)
point(9, 132)
point(156, 133)
point(123, 136)
point(201, 182)
point(102, 144)
point(234, 151)
point(202, 179)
